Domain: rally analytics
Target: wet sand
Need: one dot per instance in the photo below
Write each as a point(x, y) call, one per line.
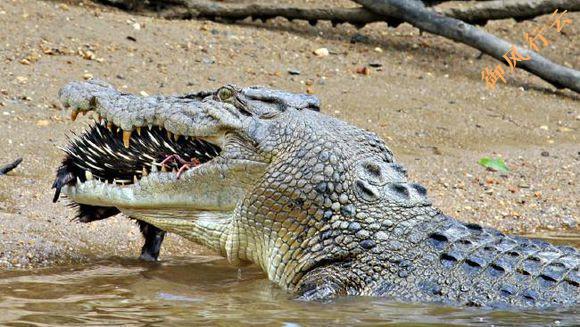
point(426, 99)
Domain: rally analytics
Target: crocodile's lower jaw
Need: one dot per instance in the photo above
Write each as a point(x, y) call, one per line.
point(186, 223)
point(206, 187)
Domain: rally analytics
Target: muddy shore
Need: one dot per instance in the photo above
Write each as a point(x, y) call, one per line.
point(423, 95)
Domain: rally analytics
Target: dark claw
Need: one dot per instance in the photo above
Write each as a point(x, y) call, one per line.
point(147, 257)
point(65, 175)
point(153, 239)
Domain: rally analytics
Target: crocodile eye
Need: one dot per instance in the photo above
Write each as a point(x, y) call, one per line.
point(225, 93)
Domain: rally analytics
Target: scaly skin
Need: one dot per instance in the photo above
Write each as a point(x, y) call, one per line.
point(320, 205)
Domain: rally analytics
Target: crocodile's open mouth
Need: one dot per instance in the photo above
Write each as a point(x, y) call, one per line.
point(106, 156)
point(100, 153)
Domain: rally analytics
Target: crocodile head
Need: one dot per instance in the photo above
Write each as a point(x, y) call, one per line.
point(198, 152)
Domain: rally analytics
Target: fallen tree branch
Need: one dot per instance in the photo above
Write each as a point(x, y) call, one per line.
point(193, 9)
point(419, 16)
point(5, 169)
point(478, 13)
point(356, 16)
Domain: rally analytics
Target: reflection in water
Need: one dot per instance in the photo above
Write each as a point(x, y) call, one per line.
point(207, 290)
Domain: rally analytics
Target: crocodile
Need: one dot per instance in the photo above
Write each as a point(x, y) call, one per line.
point(262, 177)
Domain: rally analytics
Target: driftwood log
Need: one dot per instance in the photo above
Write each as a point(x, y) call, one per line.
point(5, 169)
point(193, 9)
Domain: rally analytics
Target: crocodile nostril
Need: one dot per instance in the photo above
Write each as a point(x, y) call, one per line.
point(420, 189)
point(400, 190)
point(366, 191)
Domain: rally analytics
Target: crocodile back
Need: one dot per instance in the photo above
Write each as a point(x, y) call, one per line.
point(482, 266)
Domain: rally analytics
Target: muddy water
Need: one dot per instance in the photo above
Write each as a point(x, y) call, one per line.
point(207, 290)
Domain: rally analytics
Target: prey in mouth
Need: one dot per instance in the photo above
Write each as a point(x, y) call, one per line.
point(107, 154)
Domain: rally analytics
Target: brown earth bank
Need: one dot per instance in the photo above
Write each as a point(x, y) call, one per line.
point(421, 93)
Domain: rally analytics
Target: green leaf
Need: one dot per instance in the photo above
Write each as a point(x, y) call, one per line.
point(496, 164)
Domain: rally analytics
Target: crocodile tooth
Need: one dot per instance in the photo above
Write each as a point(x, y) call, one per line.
point(74, 114)
point(174, 170)
point(144, 172)
point(88, 175)
point(138, 131)
point(176, 137)
point(79, 181)
point(150, 126)
point(163, 168)
point(169, 135)
point(154, 167)
point(110, 126)
point(126, 138)
point(135, 179)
